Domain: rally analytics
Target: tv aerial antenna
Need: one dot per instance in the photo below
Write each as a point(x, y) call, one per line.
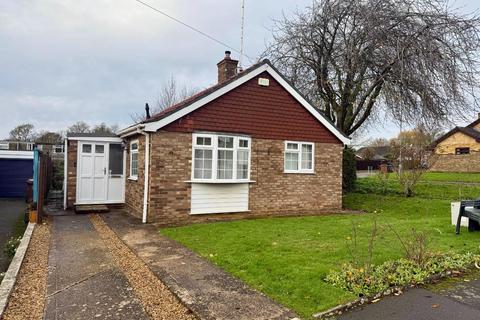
point(242, 28)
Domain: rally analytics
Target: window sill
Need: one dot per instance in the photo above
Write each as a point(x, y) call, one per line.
point(220, 181)
point(299, 172)
point(222, 212)
point(133, 178)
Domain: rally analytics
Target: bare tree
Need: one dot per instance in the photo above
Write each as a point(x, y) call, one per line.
point(170, 93)
point(104, 128)
point(415, 60)
point(23, 132)
point(78, 127)
point(412, 157)
point(378, 142)
point(49, 137)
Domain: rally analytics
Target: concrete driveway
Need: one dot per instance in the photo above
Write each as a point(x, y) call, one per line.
point(83, 280)
point(11, 223)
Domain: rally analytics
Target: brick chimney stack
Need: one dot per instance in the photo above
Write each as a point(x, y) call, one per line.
point(227, 68)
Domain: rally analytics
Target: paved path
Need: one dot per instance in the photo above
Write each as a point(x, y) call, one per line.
point(207, 290)
point(83, 282)
point(461, 301)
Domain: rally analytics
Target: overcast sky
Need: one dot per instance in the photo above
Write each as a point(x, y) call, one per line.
point(100, 60)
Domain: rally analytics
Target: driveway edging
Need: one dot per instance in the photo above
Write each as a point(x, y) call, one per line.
point(10, 277)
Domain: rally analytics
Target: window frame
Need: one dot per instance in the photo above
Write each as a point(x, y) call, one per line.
point(214, 147)
point(132, 176)
point(300, 144)
point(459, 149)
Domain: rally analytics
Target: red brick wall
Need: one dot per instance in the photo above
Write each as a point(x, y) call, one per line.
point(270, 115)
point(261, 112)
point(71, 172)
point(134, 188)
point(274, 193)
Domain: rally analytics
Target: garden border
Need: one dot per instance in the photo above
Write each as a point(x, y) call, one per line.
point(8, 282)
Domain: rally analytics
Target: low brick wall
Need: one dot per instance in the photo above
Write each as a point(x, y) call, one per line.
point(274, 193)
point(457, 163)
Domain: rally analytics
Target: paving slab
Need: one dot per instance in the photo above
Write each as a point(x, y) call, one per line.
point(208, 291)
point(83, 281)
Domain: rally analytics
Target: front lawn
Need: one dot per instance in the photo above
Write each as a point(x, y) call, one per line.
point(452, 176)
point(430, 187)
point(288, 258)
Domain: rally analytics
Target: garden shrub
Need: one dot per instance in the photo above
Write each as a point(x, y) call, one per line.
point(349, 169)
point(368, 282)
point(57, 174)
point(11, 246)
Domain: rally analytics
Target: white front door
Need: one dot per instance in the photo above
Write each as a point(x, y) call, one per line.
point(92, 172)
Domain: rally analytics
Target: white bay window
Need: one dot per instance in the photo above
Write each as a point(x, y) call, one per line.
point(299, 157)
point(220, 158)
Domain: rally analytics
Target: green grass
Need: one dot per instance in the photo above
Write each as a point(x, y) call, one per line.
point(288, 258)
point(448, 176)
point(452, 176)
point(428, 189)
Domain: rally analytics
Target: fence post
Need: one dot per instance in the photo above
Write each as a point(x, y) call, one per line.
point(35, 175)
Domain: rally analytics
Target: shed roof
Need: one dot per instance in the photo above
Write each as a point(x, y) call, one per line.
point(92, 135)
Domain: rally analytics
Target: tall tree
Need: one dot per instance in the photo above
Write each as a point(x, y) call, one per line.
point(104, 128)
point(49, 137)
point(78, 127)
point(415, 60)
point(23, 132)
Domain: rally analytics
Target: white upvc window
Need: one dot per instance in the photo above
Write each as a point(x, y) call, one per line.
point(299, 157)
point(220, 158)
point(133, 160)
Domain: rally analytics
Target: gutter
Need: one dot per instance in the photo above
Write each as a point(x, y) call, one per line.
point(132, 130)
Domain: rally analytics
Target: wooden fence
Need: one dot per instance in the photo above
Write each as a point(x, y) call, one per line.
point(42, 175)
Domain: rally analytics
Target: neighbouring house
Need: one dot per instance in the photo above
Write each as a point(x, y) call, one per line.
point(370, 158)
point(248, 146)
point(54, 149)
point(458, 150)
point(17, 145)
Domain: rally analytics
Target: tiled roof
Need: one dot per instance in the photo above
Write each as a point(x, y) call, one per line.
point(185, 103)
point(469, 131)
point(204, 93)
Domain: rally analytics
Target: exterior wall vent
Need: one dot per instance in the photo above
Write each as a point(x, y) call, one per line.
point(264, 82)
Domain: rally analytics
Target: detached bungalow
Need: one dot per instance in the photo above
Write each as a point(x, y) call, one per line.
point(459, 149)
point(249, 146)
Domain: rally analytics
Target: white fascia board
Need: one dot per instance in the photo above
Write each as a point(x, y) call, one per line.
point(97, 139)
point(133, 129)
point(13, 154)
point(154, 126)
